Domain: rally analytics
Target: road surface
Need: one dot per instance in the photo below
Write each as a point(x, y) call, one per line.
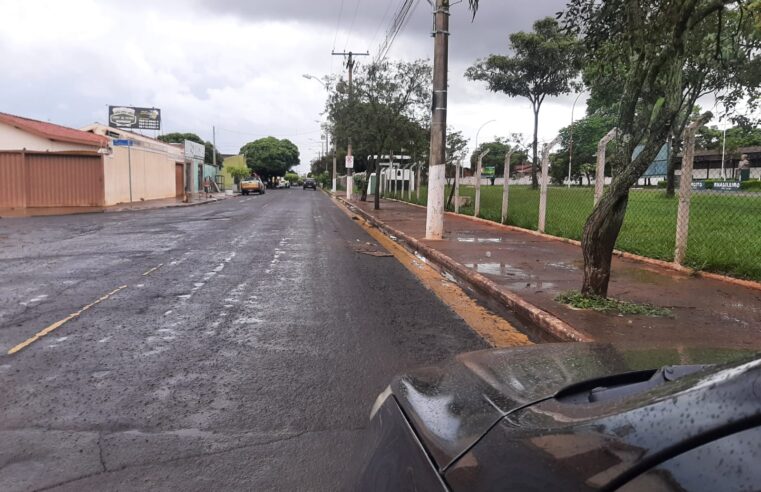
point(238, 345)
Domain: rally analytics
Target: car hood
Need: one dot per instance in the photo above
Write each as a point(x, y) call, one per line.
point(453, 405)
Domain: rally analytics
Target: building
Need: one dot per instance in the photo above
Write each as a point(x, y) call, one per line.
point(232, 161)
point(48, 165)
point(138, 167)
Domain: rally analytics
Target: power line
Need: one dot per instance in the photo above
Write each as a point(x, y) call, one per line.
point(338, 24)
point(267, 134)
point(399, 22)
point(380, 24)
point(351, 27)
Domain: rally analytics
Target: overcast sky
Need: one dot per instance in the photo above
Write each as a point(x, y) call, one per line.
point(238, 64)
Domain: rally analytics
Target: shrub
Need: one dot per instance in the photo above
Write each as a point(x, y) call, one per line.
point(751, 185)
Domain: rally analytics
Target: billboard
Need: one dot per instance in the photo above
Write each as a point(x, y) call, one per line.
point(194, 151)
point(135, 118)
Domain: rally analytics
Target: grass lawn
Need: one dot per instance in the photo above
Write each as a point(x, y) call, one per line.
point(725, 228)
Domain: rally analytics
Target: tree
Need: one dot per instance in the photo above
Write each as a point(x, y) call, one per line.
point(177, 137)
point(386, 114)
point(639, 51)
point(587, 132)
point(238, 173)
point(270, 157)
point(544, 63)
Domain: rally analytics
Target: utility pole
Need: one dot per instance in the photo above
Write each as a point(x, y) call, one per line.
point(350, 61)
point(214, 146)
point(434, 224)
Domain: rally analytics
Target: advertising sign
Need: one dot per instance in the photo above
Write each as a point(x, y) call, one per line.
point(135, 118)
point(194, 151)
point(123, 142)
point(488, 171)
point(349, 162)
point(726, 185)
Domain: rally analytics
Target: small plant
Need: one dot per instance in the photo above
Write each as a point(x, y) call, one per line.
point(577, 300)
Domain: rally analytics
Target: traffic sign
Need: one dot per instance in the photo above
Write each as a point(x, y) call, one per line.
point(349, 162)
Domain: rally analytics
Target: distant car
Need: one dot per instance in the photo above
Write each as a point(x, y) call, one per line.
point(283, 184)
point(310, 183)
point(252, 185)
point(569, 417)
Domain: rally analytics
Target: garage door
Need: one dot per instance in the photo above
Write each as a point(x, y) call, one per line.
point(65, 180)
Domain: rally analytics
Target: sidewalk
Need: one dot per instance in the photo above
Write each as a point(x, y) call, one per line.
point(536, 269)
point(196, 199)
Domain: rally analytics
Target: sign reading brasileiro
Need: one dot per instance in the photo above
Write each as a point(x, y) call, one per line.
point(135, 118)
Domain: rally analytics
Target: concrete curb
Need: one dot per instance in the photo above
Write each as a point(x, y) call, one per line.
point(174, 205)
point(750, 284)
point(539, 318)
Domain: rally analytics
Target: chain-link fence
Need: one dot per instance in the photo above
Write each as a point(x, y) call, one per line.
point(723, 233)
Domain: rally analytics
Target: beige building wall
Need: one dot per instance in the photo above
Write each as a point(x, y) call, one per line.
point(11, 138)
point(153, 175)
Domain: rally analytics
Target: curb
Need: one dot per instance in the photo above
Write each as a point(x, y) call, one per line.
point(538, 317)
point(176, 205)
point(749, 284)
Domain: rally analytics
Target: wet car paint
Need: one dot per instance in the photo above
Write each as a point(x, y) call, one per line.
point(491, 415)
point(453, 405)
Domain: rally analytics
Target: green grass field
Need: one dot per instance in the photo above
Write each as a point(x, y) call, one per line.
point(725, 229)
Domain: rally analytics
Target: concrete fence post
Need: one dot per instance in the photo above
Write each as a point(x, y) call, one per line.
point(419, 183)
point(477, 209)
point(408, 179)
point(685, 187)
point(458, 166)
point(600, 170)
point(545, 182)
point(506, 186)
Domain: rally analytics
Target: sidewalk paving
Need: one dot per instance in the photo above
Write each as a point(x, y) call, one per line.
point(705, 311)
point(195, 199)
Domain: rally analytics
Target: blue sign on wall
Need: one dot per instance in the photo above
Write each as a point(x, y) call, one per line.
point(123, 142)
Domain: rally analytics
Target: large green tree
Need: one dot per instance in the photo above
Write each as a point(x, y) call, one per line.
point(642, 53)
point(586, 132)
point(270, 157)
point(386, 113)
point(543, 64)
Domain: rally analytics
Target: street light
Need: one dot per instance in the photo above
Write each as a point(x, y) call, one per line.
point(477, 134)
point(327, 139)
point(312, 77)
point(570, 146)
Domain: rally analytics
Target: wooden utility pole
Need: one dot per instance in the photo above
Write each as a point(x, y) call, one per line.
point(350, 61)
point(434, 225)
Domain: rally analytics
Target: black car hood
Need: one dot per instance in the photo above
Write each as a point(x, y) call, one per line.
point(451, 406)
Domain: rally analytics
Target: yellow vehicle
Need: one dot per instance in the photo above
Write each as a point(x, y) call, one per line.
point(252, 185)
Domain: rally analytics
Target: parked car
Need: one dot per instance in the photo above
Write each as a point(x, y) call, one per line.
point(570, 417)
point(252, 185)
point(310, 183)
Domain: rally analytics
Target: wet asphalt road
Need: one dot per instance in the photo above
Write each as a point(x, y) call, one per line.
point(248, 361)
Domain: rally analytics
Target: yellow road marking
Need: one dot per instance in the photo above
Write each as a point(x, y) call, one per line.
point(492, 328)
point(152, 270)
point(60, 323)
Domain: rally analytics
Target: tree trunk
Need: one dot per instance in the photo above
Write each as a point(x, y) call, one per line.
point(451, 193)
point(600, 234)
point(534, 162)
point(671, 166)
point(376, 191)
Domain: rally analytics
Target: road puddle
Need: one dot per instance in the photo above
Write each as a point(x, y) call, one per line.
point(480, 240)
